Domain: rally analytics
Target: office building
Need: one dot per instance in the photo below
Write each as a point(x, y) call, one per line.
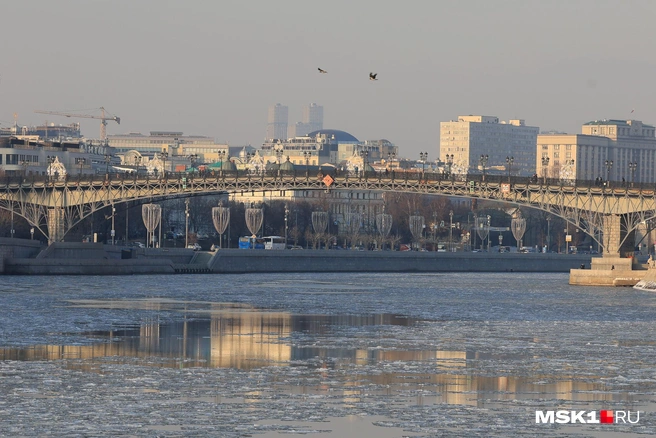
point(470, 137)
point(277, 123)
point(615, 150)
point(312, 120)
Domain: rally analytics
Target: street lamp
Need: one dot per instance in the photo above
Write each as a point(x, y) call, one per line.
point(307, 155)
point(391, 156)
point(365, 156)
point(545, 165)
point(186, 223)
point(108, 158)
point(509, 163)
point(113, 230)
point(483, 161)
point(548, 233)
point(81, 162)
point(449, 162)
point(489, 218)
point(164, 156)
point(32, 233)
point(24, 164)
point(609, 166)
point(423, 156)
point(450, 231)
point(192, 160)
point(286, 215)
point(632, 167)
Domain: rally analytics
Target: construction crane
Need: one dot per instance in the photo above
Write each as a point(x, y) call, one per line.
point(103, 119)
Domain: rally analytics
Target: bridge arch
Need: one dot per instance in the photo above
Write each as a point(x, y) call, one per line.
point(613, 213)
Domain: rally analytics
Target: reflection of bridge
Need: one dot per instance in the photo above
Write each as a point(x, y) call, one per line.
point(610, 215)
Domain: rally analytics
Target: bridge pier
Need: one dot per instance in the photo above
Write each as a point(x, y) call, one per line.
point(55, 225)
point(614, 268)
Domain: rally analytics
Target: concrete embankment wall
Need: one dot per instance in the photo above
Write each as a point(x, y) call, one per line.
point(74, 258)
point(87, 267)
point(240, 261)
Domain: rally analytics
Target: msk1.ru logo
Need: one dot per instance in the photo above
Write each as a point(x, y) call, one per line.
point(587, 417)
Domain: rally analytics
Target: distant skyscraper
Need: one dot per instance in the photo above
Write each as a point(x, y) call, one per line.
point(312, 121)
point(313, 117)
point(277, 122)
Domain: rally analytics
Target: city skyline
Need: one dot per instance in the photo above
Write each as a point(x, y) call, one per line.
point(214, 70)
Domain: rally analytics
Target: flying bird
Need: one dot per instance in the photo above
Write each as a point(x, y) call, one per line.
point(372, 76)
point(321, 70)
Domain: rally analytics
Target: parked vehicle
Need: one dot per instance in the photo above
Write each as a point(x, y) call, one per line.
point(249, 242)
point(274, 242)
point(194, 246)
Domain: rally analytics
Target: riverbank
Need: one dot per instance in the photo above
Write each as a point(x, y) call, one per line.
point(27, 258)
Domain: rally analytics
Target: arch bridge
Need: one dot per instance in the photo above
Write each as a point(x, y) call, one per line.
point(608, 213)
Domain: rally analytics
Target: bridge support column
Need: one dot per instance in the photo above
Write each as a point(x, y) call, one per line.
point(612, 262)
point(55, 225)
point(612, 235)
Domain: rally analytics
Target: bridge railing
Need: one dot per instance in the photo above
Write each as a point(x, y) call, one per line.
point(396, 176)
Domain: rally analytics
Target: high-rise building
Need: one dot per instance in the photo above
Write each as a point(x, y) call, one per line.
point(277, 122)
point(471, 137)
point(311, 121)
point(313, 117)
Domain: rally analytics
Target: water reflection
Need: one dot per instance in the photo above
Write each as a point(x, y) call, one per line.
point(217, 335)
point(226, 335)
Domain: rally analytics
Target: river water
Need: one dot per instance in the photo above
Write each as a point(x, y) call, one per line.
point(326, 355)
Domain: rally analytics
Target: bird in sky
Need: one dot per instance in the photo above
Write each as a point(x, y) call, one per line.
point(372, 76)
point(322, 70)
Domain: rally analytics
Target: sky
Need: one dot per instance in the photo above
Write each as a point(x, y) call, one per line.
point(214, 67)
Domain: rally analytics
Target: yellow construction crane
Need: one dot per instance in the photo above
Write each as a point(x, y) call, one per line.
point(103, 118)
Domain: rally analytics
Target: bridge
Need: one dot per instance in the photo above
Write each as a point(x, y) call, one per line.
point(609, 213)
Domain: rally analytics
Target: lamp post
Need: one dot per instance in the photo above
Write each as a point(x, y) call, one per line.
point(545, 165)
point(548, 233)
point(279, 158)
point(108, 158)
point(51, 160)
point(489, 218)
point(423, 156)
point(307, 155)
point(186, 223)
point(451, 231)
point(391, 156)
point(632, 167)
point(24, 165)
point(113, 229)
point(449, 162)
point(32, 233)
point(509, 163)
point(164, 156)
point(365, 157)
point(286, 216)
point(609, 166)
point(483, 161)
point(192, 159)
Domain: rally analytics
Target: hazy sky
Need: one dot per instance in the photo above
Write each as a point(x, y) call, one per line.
point(213, 67)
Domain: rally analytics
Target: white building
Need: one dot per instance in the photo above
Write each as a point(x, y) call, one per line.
point(470, 137)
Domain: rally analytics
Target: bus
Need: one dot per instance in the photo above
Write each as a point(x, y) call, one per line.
point(274, 242)
point(249, 242)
